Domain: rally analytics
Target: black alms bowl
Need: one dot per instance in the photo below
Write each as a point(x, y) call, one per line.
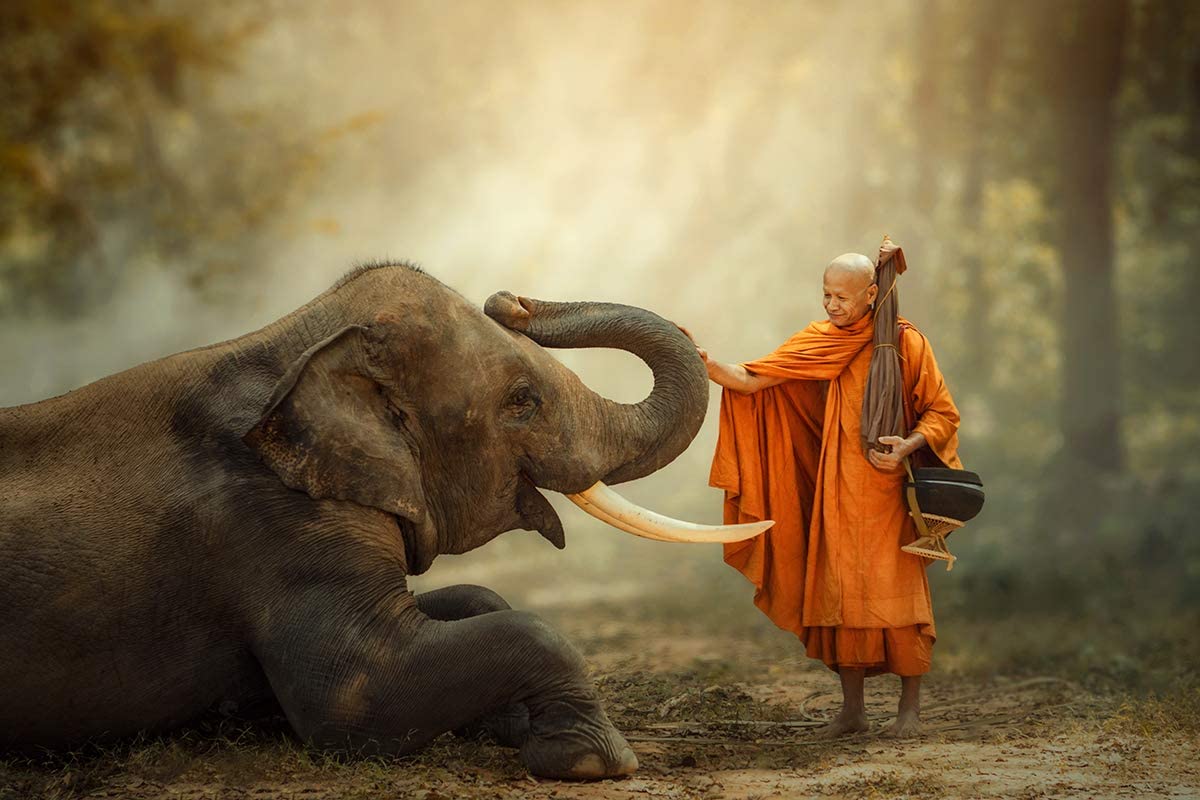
point(951, 493)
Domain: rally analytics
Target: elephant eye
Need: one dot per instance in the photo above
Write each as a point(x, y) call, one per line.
point(399, 418)
point(522, 401)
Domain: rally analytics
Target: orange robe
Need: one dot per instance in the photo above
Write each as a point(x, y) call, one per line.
point(831, 569)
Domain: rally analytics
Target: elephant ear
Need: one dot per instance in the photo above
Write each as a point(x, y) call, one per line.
point(328, 431)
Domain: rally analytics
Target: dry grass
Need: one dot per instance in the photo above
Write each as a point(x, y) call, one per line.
point(1175, 714)
point(887, 785)
point(237, 756)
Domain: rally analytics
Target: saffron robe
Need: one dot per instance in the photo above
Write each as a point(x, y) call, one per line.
point(831, 569)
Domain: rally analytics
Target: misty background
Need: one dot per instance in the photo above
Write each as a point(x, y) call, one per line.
point(173, 174)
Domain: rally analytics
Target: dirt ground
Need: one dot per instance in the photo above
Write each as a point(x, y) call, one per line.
point(712, 714)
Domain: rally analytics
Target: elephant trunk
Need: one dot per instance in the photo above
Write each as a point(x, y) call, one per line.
point(634, 440)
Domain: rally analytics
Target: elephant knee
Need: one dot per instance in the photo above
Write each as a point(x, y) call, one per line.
point(482, 600)
point(460, 602)
point(548, 651)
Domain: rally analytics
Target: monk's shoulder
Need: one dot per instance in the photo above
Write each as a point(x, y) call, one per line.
point(912, 341)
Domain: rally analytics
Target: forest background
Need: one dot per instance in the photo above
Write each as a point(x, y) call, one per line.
point(173, 174)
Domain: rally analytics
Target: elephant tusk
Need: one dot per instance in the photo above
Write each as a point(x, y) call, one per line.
point(607, 506)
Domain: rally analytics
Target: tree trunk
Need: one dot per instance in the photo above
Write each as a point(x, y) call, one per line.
point(987, 38)
point(1089, 73)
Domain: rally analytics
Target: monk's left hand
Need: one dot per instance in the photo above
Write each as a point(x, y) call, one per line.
point(893, 461)
point(886, 250)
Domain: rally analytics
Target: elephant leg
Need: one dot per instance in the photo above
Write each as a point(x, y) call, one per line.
point(509, 727)
point(388, 678)
point(459, 602)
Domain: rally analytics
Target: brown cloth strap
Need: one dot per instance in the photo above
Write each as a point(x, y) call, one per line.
point(910, 491)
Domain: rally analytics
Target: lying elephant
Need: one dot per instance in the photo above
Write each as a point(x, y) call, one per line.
point(237, 522)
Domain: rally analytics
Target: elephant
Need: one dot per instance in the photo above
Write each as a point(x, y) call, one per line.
point(236, 523)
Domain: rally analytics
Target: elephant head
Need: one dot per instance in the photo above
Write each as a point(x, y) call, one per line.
point(450, 420)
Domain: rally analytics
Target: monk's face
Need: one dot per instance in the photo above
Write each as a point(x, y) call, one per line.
point(849, 294)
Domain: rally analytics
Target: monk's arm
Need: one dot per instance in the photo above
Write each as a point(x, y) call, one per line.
point(737, 377)
point(731, 376)
point(937, 415)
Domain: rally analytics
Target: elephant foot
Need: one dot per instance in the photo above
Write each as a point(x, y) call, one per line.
point(592, 767)
point(508, 728)
point(588, 767)
point(566, 745)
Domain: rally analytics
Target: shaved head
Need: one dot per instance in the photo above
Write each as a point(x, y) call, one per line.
point(849, 288)
point(855, 264)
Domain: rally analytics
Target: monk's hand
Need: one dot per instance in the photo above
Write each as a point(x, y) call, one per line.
point(708, 361)
point(892, 461)
point(887, 249)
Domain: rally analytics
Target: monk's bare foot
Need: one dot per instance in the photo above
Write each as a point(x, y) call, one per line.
point(906, 726)
point(908, 715)
point(844, 724)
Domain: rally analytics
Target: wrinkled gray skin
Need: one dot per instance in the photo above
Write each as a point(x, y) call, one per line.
point(237, 523)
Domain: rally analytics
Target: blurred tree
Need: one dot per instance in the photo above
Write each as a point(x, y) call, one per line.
point(1159, 236)
point(1090, 202)
point(1160, 181)
point(1089, 41)
point(987, 38)
point(115, 154)
point(1074, 60)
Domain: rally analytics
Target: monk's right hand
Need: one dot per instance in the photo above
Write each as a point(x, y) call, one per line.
point(699, 350)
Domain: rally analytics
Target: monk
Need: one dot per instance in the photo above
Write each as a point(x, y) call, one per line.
point(831, 569)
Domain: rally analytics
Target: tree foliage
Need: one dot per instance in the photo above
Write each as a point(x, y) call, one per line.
point(114, 153)
point(1080, 203)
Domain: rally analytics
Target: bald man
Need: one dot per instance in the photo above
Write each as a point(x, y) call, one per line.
point(831, 569)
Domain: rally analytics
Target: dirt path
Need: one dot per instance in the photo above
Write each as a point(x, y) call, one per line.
point(1025, 738)
point(711, 716)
